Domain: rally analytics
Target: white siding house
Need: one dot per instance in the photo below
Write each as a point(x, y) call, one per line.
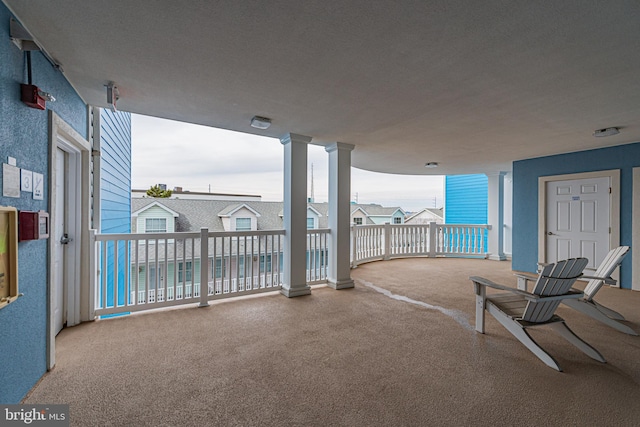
point(155, 218)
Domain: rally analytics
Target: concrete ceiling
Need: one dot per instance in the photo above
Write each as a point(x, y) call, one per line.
point(472, 85)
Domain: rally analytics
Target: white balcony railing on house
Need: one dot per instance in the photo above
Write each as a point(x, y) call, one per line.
point(387, 241)
point(137, 272)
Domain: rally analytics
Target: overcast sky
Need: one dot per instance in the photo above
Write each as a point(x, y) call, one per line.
point(199, 158)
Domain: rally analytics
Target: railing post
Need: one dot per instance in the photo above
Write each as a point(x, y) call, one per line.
point(93, 274)
point(387, 241)
point(204, 267)
point(354, 247)
point(433, 234)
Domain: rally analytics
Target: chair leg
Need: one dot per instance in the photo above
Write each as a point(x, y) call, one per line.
point(563, 330)
point(608, 312)
point(481, 292)
point(521, 334)
point(590, 309)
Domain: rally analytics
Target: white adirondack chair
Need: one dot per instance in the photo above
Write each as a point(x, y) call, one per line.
point(602, 276)
point(519, 310)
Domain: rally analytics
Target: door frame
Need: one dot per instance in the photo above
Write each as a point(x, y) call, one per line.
point(614, 206)
point(63, 136)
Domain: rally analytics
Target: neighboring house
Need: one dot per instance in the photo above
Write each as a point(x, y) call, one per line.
point(58, 144)
point(166, 215)
point(376, 214)
point(425, 216)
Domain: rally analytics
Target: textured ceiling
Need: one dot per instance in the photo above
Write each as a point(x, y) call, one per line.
point(471, 85)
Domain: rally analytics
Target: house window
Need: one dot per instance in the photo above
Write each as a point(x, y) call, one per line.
point(397, 220)
point(357, 221)
point(219, 268)
point(185, 272)
point(243, 224)
point(155, 225)
point(241, 266)
point(262, 265)
point(311, 223)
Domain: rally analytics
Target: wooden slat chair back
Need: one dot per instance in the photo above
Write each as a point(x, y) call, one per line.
point(605, 270)
point(555, 279)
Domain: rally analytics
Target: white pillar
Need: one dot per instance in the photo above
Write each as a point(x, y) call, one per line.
point(635, 232)
point(339, 275)
point(495, 216)
point(294, 281)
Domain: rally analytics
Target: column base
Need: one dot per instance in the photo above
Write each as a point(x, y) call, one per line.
point(497, 257)
point(296, 292)
point(340, 284)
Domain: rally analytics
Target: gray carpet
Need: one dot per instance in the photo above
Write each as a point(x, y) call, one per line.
point(397, 350)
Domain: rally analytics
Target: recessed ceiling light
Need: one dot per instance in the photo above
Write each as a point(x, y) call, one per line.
point(598, 133)
point(431, 165)
point(260, 122)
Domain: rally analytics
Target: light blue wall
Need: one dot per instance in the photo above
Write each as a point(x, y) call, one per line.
point(525, 197)
point(115, 189)
point(465, 199)
point(24, 135)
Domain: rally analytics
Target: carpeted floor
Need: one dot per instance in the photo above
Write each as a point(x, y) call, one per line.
point(397, 350)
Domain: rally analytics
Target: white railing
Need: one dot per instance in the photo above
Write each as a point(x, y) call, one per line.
point(137, 272)
point(388, 241)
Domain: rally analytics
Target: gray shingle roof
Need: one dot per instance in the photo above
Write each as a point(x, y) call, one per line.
point(197, 214)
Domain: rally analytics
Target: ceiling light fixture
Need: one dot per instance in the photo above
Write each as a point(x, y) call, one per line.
point(260, 122)
point(598, 133)
point(431, 165)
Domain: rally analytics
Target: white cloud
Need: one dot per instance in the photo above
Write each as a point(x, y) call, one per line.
point(200, 158)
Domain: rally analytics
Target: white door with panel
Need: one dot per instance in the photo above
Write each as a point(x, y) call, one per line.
point(59, 218)
point(578, 219)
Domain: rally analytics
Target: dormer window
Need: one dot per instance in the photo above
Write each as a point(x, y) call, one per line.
point(357, 221)
point(155, 225)
point(243, 224)
point(311, 223)
point(397, 220)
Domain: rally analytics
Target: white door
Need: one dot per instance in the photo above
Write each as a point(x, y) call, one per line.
point(59, 218)
point(578, 219)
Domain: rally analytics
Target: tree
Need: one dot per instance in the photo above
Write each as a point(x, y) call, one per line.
point(157, 191)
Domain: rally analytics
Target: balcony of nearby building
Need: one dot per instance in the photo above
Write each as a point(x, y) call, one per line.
point(398, 349)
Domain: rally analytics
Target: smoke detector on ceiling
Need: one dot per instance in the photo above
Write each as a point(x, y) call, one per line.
point(599, 133)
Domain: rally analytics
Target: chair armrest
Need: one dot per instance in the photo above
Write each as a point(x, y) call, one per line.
point(481, 281)
point(606, 280)
point(526, 276)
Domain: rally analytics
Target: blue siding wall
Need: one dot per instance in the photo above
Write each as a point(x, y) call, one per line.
point(115, 170)
point(525, 197)
point(115, 188)
point(24, 135)
point(465, 199)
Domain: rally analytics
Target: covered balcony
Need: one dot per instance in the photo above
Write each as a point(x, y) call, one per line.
point(394, 87)
point(397, 349)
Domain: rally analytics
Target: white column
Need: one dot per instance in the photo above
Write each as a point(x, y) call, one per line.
point(339, 275)
point(635, 232)
point(294, 281)
point(495, 216)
